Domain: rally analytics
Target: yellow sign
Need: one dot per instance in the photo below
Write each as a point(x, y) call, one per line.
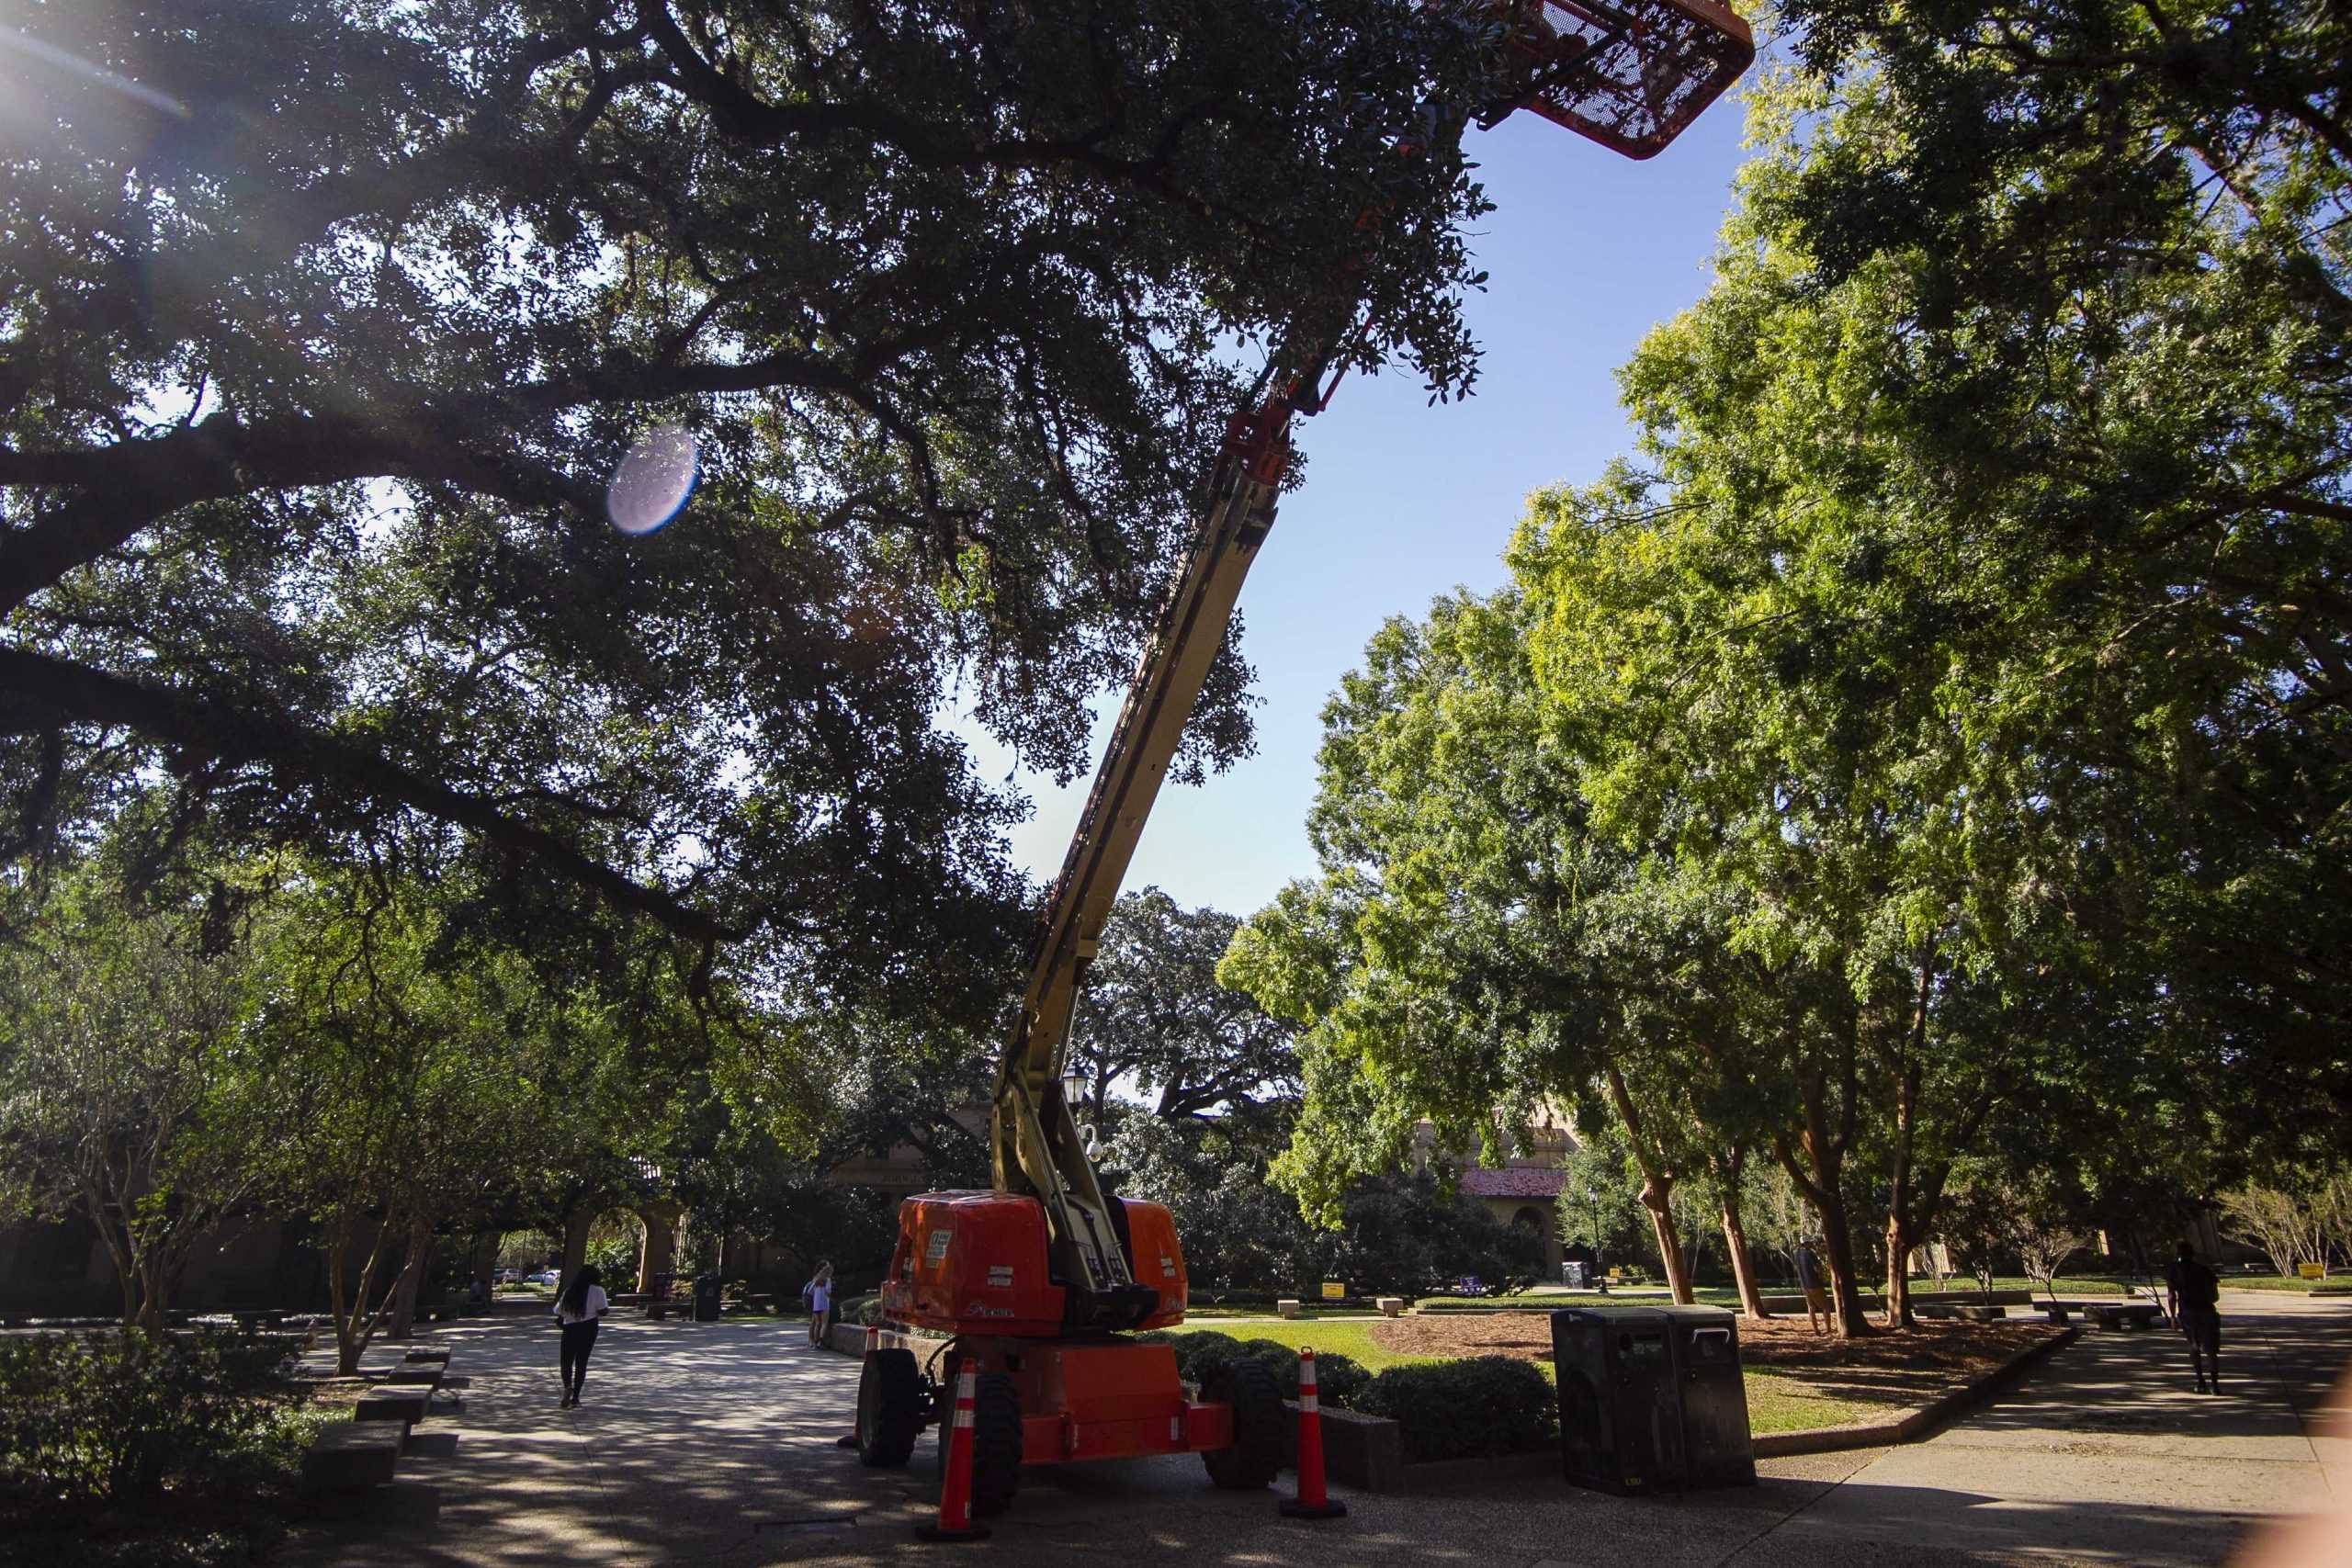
point(1334, 1290)
point(2308, 1271)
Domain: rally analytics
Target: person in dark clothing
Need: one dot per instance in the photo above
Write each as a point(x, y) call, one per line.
point(577, 1309)
point(2193, 1295)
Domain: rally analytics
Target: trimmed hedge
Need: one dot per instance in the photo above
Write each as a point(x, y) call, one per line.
point(1201, 1353)
point(1484, 1406)
point(860, 1310)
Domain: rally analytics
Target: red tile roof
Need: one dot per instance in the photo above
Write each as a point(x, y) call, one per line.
point(1515, 1182)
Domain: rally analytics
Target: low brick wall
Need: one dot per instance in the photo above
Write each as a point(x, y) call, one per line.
point(1363, 1451)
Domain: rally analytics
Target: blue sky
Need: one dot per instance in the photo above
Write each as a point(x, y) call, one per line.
point(1403, 501)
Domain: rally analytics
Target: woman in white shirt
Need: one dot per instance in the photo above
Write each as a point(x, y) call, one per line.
point(818, 1293)
point(577, 1309)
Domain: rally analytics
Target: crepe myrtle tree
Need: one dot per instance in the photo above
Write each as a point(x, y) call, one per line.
point(323, 328)
point(115, 1102)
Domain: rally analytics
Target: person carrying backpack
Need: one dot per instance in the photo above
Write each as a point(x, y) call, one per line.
point(819, 1294)
point(2193, 1295)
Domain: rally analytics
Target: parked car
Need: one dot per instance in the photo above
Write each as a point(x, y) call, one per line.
point(546, 1276)
point(507, 1277)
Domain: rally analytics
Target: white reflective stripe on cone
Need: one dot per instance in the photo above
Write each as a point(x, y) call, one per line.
point(1306, 1405)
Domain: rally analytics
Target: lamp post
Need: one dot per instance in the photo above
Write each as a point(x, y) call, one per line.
point(1074, 1096)
point(1593, 1198)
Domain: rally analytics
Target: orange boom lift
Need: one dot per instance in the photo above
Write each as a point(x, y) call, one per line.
point(1039, 1282)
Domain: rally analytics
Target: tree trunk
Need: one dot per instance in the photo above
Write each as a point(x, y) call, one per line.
point(420, 1250)
point(576, 1220)
point(1898, 1202)
point(1826, 1156)
point(1656, 1193)
point(1657, 1188)
point(347, 1353)
point(125, 1278)
point(1898, 1270)
point(482, 1260)
point(1743, 1267)
point(659, 1254)
point(1845, 1284)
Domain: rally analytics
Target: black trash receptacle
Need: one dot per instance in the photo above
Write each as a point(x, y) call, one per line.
point(1716, 1445)
point(706, 1298)
point(1651, 1397)
point(1620, 1427)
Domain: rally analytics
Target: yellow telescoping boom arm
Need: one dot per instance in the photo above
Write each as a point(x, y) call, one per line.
point(1631, 75)
point(1033, 1140)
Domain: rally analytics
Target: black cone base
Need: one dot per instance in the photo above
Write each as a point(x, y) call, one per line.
point(1291, 1509)
point(969, 1532)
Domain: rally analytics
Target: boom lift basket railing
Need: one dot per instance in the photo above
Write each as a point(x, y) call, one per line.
point(1634, 75)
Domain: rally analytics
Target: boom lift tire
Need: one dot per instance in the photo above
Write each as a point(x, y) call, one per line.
point(1252, 1464)
point(996, 1438)
point(889, 1407)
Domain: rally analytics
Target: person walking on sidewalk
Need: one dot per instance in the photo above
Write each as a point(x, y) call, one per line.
point(1817, 1299)
point(576, 1311)
point(818, 1293)
point(2193, 1296)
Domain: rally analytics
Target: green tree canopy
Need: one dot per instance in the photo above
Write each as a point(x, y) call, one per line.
point(323, 330)
point(1153, 1018)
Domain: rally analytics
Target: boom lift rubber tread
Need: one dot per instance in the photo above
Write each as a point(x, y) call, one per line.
point(889, 1407)
point(1256, 1456)
point(996, 1442)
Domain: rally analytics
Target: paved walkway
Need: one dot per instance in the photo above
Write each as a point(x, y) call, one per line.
point(713, 1444)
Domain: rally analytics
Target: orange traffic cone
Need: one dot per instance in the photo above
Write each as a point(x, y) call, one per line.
point(1311, 1502)
point(856, 1438)
point(955, 1486)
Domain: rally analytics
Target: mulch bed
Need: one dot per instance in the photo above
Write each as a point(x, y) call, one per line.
point(1902, 1367)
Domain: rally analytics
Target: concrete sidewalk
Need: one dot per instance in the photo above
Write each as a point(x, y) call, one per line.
point(2108, 1455)
point(714, 1444)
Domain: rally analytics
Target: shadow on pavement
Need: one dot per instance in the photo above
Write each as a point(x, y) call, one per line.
point(714, 1444)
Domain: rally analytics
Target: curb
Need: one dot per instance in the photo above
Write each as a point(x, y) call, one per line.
point(1528, 1464)
point(1914, 1423)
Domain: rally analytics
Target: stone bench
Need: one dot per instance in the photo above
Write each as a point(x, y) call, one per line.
point(2122, 1314)
point(1391, 1307)
point(1288, 1306)
point(424, 1375)
point(1973, 1312)
point(346, 1455)
point(415, 1357)
point(403, 1402)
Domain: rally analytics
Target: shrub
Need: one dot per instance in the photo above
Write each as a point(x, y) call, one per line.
point(1203, 1353)
point(859, 1309)
point(1487, 1404)
point(113, 1416)
point(1340, 1381)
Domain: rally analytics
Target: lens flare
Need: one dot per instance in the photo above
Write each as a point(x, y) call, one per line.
point(652, 483)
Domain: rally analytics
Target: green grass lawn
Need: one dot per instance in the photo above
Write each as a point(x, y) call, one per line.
point(1353, 1341)
point(1777, 1403)
point(2339, 1280)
